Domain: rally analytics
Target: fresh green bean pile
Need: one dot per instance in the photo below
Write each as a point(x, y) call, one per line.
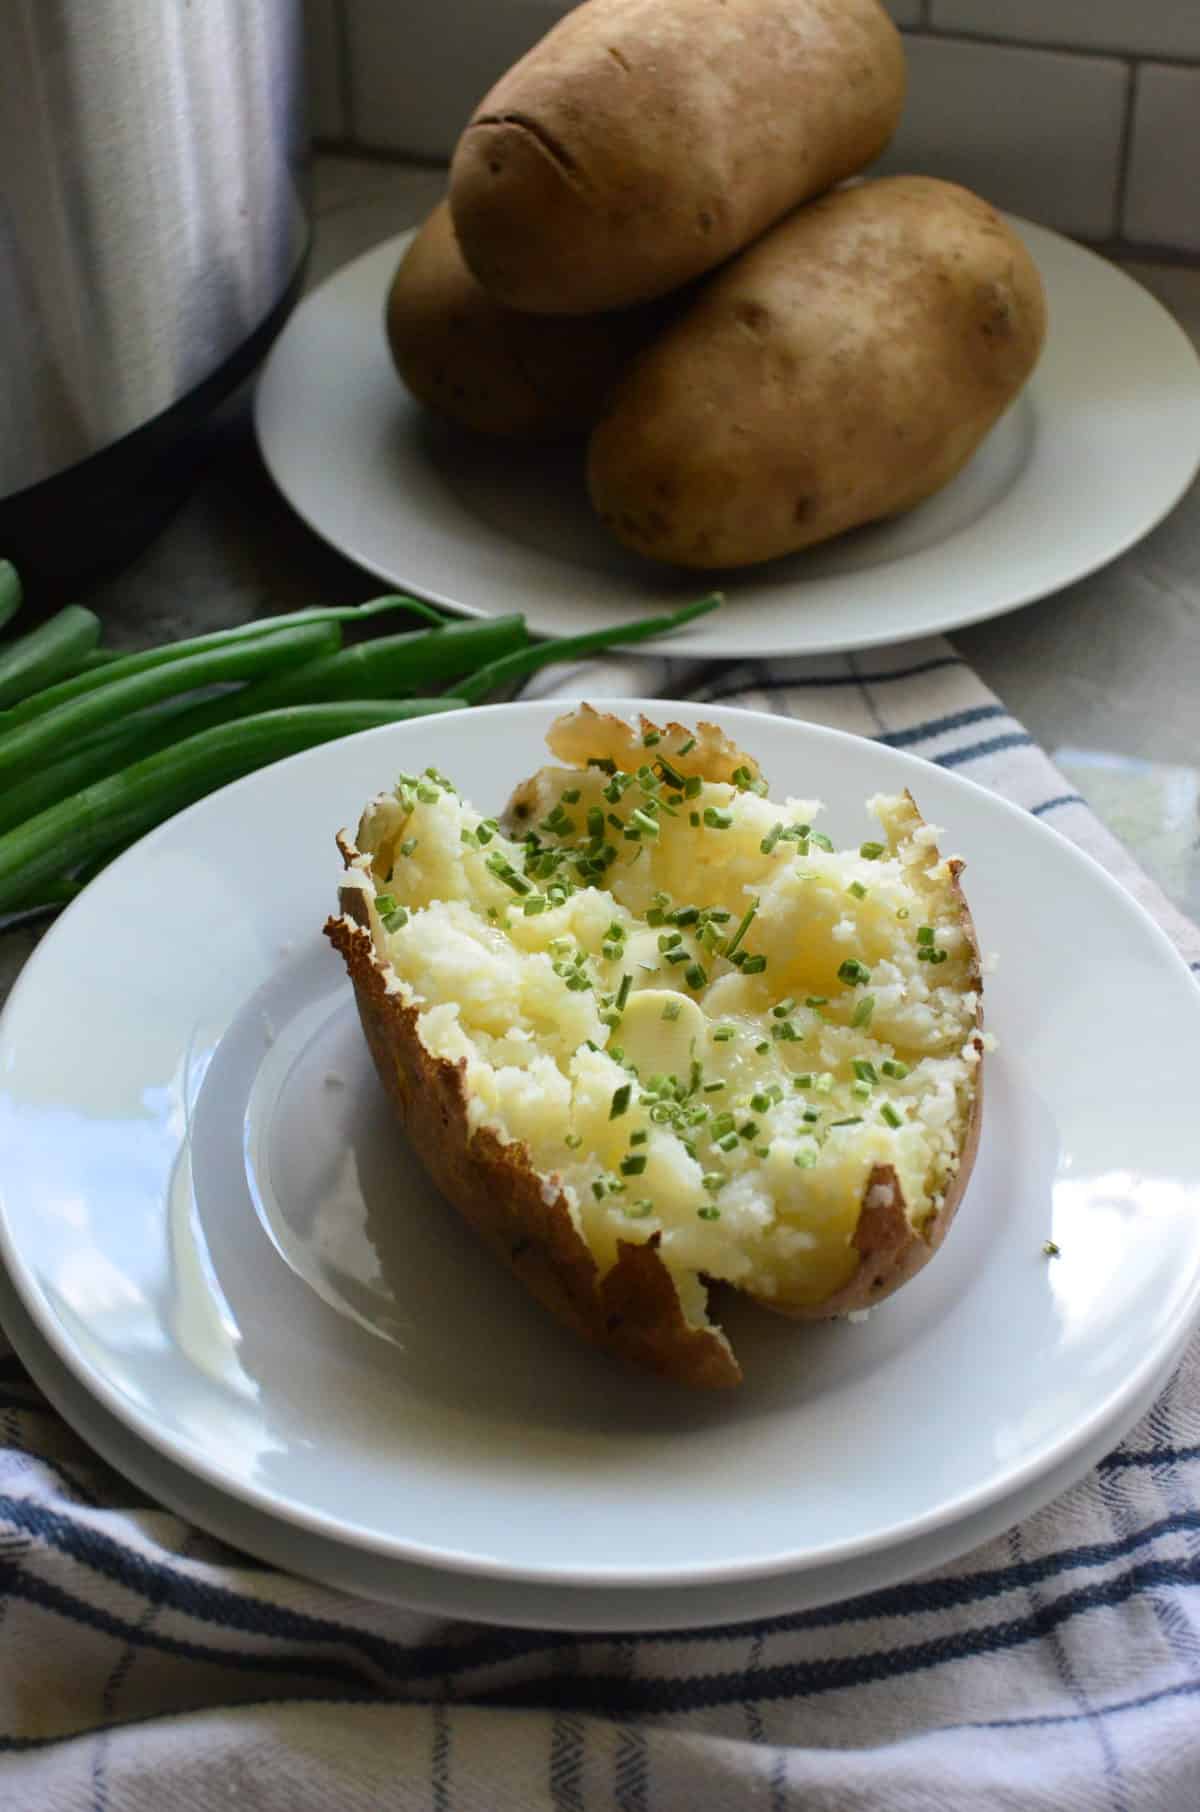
point(97, 747)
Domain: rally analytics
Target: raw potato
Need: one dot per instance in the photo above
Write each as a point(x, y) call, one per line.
point(797, 1118)
point(841, 370)
point(642, 142)
point(489, 368)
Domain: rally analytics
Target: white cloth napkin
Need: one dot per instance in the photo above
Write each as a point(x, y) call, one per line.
point(145, 1666)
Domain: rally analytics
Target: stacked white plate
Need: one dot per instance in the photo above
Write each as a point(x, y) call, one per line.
point(225, 1270)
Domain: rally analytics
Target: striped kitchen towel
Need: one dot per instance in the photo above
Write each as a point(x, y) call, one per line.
point(145, 1666)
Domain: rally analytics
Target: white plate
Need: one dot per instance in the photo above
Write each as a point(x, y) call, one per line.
point(1102, 443)
point(179, 1058)
point(506, 1601)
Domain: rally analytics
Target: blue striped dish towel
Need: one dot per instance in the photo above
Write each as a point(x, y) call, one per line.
point(144, 1666)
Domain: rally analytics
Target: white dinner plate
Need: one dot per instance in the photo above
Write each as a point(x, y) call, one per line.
point(1101, 444)
point(214, 1226)
point(482, 1599)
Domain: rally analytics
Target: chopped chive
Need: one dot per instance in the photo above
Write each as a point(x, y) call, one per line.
point(865, 1070)
point(888, 1112)
point(824, 1083)
point(683, 955)
point(693, 786)
point(851, 1120)
point(620, 1100)
point(786, 1031)
point(535, 904)
point(820, 839)
point(861, 1089)
point(762, 1151)
point(685, 748)
point(722, 1034)
point(392, 921)
point(670, 940)
point(685, 915)
point(695, 976)
point(892, 1067)
point(595, 821)
point(669, 774)
point(694, 820)
point(857, 889)
point(783, 1008)
point(863, 1011)
point(760, 1103)
point(598, 1189)
point(853, 971)
point(637, 1211)
point(571, 796)
point(573, 1141)
point(408, 845)
point(811, 1115)
point(749, 1130)
point(762, 1047)
point(713, 1180)
point(872, 851)
point(385, 903)
point(902, 912)
point(623, 992)
point(673, 1009)
point(804, 1081)
point(650, 738)
point(924, 934)
point(717, 820)
point(634, 1164)
point(743, 928)
point(712, 1088)
point(709, 1212)
point(639, 1137)
point(771, 839)
point(1051, 1248)
point(727, 1142)
point(816, 1000)
point(644, 822)
point(804, 1160)
point(754, 965)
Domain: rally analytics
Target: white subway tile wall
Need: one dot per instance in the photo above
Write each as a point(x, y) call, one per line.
point(1162, 194)
point(1046, 106)
point(992, 118)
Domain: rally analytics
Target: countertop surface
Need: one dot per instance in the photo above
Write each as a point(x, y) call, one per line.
point(1106, 674)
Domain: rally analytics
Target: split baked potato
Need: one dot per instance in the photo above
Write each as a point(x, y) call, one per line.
point(650, 1030)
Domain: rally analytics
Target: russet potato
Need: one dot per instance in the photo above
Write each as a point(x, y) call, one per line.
point(840, 370)
point(642, 142)
point(722, 1052)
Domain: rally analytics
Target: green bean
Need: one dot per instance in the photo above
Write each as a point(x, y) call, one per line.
point(58, 731)
point(378, 669)
point(540, 654)
point(42, 656)
point(137, 737)
point(110, 813)
point(11, 592)
point(94, 674)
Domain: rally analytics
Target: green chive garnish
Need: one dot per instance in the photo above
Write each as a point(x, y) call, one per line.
point(804, 1081)
point(864, 1070)
point(620, 1101)
point(853, 971)
point(872, 851)
point(709, 1212)
point(717, 820)
point(924, 934)
point(673, 1009)
point(392, 921)
point(695, 976)
point(892, 1067)
point(754, 965)
point(857, 889)
point(385, 903)
point(863, 1011)
point(804, 1160)
point(685, 748)
point(888, 1112)
point(634, 1164)
point(722, 1034)
point(851, 1120)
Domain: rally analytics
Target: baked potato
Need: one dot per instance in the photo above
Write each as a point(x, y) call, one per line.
point(650, 1030)
point(642, 142)
point(473, 361)
point(841, 370)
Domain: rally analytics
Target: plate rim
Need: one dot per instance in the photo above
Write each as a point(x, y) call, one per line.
point(700, 642)
point(1009, 1482)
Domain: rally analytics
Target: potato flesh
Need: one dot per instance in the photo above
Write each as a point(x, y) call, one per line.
point(539, 1055)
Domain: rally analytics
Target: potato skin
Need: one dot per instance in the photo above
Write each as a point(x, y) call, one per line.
point(473, 361)
point(841, 370)
point(642, 142)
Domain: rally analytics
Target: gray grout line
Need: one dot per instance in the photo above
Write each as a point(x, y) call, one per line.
point(949, 34)
point(1125, 149)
